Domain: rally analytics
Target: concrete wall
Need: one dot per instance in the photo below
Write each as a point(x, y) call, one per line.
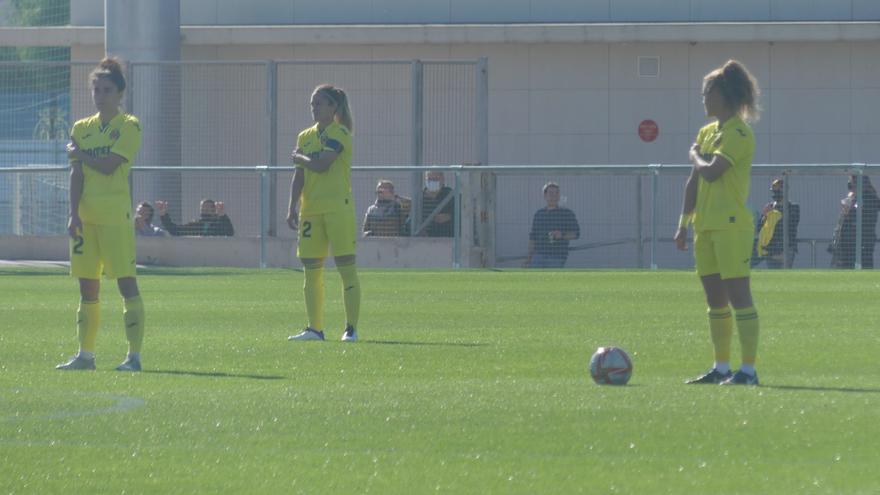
point(242, 251)
point(582, 103)
point(224, 12)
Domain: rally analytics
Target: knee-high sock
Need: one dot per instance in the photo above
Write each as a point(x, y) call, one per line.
point(351, 292)
point(133, 315)
point(313, 291)
point(748, 328)
point(721, 328)
point(88, 320)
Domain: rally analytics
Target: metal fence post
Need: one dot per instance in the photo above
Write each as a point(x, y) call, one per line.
point(858, 168)
point(786, 219)
point(417, 142)
point(640, 248)
point(487, 182)
point(458, 228)
point(264, 211)
point(272, 115)
point(655, 179)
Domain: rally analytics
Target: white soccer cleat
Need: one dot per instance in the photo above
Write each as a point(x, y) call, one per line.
point(350, 334)
point(308, 334)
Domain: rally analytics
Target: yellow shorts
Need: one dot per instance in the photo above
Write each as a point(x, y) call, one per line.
point(317, 232)
point(103, 248)
point(726, 252)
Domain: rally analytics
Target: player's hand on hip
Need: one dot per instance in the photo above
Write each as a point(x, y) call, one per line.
point(292, 220)
point(74, 226)
point(680, 239)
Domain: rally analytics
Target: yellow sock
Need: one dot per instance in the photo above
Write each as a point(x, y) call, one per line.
point(748, 329)
point(88, 320)
point(351, 292)
point(721, 328)
point(133, 315)
point(313, 290)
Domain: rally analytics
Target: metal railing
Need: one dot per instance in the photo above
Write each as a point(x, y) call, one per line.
point(627, 213)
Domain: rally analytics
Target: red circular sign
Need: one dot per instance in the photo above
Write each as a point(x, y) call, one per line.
point(648, 130)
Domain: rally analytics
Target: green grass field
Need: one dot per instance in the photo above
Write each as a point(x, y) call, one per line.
point(463, 382)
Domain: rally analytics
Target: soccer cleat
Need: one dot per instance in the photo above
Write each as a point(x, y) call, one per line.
point(308, 334)
point(77, 363)
point(350, 334)
point(130, 364)
point(741, 378)
point(712, 377)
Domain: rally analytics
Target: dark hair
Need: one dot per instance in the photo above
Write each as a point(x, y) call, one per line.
point(147, 206)
point(338, 97)
point(867, 187)
point(111, 69)
point(738, 86)
point(548, 186)
point(209, 200)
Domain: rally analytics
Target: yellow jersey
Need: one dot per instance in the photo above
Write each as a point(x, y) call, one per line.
point(721, 204)
point(328, 191)
point(106, 199)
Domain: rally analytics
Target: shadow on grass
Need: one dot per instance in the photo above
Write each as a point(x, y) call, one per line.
point(31, 273)
point(214, 374)
point(856, 390)
point(401, 342)
point(183, 272)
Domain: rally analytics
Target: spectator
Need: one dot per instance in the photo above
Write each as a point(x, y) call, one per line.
point(553, 227)
point(434, 195)
point(143, 221)
point(769, 244)
point(213, 222)
point(386, 217)
point(843, 241)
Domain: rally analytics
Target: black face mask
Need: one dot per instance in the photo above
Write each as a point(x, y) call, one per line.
point(776, 195)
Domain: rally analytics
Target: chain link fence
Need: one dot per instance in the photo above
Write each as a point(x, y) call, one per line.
point(626, 215)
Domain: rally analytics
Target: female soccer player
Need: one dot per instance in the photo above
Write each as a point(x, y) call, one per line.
point(101, 151)
point(715, 197)
point(322, 184)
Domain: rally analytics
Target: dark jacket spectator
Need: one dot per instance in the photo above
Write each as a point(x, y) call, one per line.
point(212, 222)
point(843, 241)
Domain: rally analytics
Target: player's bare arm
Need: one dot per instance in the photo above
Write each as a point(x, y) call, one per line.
point(296, 187)
point(316, 162)
point(687, 209)
point(105, 164)
point(74, 223)
point(710, 170)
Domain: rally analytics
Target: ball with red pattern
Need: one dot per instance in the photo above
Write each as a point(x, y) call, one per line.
point(611, 366)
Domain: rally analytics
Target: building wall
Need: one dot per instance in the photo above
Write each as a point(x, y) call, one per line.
point(282, 12)
point(582, 103)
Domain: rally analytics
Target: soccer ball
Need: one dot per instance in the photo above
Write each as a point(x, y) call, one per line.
point(611, 366)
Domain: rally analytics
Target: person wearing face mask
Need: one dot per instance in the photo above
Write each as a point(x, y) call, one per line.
point(143, 221)
point(433, 196)
point(769, 244)
point(386, 217)
point(843, 241)
point(211, 222)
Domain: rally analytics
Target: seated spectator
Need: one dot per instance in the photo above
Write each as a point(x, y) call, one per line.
point(143, 221)
point(435, 193)
point(386, 217)
point(212, 222)
point(769, 243)
point(552, 228)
